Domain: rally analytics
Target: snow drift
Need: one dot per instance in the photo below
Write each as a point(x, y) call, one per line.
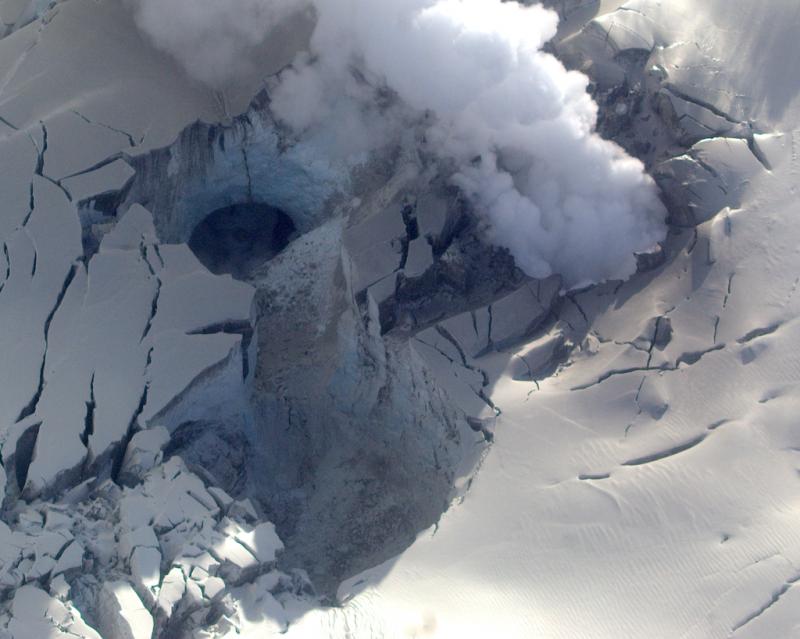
point(471, 77)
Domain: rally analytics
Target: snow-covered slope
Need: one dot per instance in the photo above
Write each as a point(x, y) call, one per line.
point(649, 488)
point(617, 461)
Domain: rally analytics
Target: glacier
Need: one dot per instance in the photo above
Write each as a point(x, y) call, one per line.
point(379, 425)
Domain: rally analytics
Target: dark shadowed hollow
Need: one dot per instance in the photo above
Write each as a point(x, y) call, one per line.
point(236, 239)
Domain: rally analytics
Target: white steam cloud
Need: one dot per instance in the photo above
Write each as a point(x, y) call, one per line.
point(213, 39)
point(516, 123)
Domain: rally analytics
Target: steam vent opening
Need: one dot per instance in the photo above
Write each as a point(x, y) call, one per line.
point(237, 239)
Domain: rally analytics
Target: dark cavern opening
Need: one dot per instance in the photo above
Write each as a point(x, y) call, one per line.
point(236, 239)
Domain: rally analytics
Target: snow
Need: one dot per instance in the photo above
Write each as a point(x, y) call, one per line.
point(36, 614)
point(192, 299)
point(144, 452)
point(180, 360)
point(702, 192)
point(99, 78)
point(67, 155)
point(122, 613)
point(71, 559)
point(146, 569)
point(375, 246)
point(90, 396)
point(643, 475)
point(420, 257)
point(657, 502)
point(109, 178)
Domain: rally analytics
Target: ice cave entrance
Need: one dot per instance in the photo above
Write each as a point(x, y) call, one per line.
point(237, 239)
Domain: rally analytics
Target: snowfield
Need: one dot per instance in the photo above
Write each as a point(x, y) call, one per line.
point(388, 425)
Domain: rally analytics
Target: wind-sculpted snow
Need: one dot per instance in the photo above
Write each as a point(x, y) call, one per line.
point(471, 77)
